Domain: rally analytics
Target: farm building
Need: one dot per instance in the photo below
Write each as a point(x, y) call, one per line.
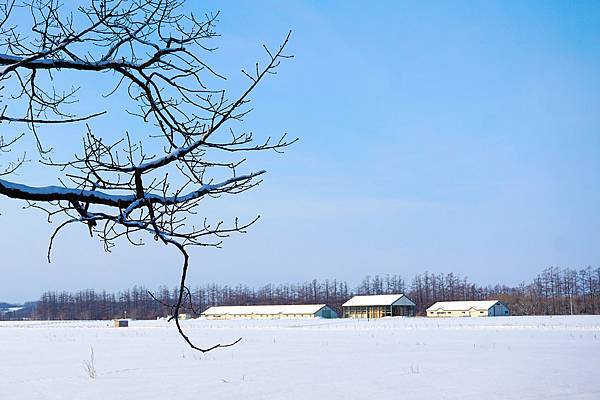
point(270, 312)
point(377, 306)
point(486, 308)
point(181, 316)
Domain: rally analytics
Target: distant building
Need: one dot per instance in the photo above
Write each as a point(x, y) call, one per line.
point(377, 306)
point(485, 308)
point(181, 316)
point(270, 312)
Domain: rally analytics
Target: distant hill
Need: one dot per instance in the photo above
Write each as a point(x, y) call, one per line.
point(4, 306)
point(17, 311)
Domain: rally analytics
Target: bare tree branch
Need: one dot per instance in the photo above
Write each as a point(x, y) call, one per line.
point(151, 53)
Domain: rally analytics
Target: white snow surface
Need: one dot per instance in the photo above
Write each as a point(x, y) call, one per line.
point(391, 358)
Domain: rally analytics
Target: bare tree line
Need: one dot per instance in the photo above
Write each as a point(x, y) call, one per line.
point(555, 291)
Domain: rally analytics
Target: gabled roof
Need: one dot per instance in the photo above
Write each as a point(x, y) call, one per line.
point(378, 300)
point(265, 310)
point(482, 305)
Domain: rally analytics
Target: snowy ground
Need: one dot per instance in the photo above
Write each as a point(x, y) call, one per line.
point(395, 358)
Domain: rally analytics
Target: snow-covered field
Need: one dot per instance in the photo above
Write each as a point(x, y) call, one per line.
point(395, 358)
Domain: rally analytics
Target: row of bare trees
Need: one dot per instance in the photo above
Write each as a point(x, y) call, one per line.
point(554, 291)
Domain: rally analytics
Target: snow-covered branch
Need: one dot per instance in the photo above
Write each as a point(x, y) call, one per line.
point(129, 202)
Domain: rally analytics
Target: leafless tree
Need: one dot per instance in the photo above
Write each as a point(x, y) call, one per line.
point(152, 52)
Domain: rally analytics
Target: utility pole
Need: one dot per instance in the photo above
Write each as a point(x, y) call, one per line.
point(571, 302)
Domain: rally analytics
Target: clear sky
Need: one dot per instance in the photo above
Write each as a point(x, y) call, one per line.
point(447, 136)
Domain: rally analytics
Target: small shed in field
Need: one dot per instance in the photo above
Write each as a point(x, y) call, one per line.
point(121, 323)
point(270, 312)
point(483, 308)
point(377, 306)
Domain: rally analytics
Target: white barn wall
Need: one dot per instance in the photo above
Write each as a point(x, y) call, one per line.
point(475, 309)
point(270, 312)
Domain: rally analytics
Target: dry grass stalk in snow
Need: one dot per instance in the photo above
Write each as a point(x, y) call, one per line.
point(90, 365)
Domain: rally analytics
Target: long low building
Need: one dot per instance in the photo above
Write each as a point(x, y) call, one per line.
point(378, 306)
point(484, 308)
point(270, 312)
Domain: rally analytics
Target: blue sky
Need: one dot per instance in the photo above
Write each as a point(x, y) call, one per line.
point(447, 136)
